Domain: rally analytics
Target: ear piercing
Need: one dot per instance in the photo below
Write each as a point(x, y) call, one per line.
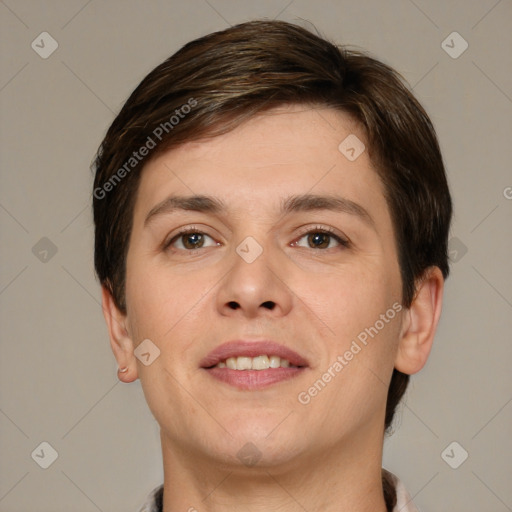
point(123, 369)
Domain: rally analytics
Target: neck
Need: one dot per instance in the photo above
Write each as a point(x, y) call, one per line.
point(341, 478)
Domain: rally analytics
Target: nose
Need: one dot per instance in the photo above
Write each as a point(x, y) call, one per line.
point(255, 287)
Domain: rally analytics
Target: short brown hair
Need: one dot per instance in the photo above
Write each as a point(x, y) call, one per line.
point(213, 84)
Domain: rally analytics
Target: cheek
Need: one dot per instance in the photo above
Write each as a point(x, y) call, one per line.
point(357, 311)
point(167, 307)
point(347, 300)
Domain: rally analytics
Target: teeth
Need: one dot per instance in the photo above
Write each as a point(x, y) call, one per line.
point(243, 363)
point(275, 362)
point(262, 362)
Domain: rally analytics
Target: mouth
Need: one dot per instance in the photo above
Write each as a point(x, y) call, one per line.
point(252, 365)
point(259, 363)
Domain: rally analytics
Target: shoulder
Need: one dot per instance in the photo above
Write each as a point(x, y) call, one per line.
point(154, 501)
point(404, 501)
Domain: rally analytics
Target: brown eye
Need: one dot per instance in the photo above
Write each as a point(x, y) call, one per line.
point(189, 240)
point(192, 240)
point(318, 240)
point(321, 239)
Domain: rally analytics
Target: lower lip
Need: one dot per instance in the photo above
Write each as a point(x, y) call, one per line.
point(254, 379)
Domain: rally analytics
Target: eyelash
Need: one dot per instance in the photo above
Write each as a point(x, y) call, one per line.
point(316, 229)
point(326, 231)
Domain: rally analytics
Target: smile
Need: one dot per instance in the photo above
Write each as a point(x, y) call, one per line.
point(253, 365)
point(259, 363)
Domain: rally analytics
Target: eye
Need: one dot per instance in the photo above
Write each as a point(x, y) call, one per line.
point(189, 239)
point(321, 238)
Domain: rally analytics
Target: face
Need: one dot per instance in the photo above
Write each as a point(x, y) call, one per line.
point(289, 255)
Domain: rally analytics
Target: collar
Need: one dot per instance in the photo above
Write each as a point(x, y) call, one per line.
point(403, 499)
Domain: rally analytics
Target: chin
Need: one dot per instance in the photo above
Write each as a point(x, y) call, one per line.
point(259, 445)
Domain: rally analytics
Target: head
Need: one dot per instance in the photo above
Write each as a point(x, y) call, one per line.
point(190, 120)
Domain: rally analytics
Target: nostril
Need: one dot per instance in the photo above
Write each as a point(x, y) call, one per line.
point(269, 304)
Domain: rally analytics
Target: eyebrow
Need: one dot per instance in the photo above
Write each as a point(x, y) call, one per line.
point(296, 203)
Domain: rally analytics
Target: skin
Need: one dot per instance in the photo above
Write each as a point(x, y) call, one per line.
point(322, 456)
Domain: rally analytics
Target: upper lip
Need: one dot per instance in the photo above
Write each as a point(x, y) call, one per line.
point(243, 348)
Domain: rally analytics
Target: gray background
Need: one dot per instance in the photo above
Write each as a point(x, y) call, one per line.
point(58, 375)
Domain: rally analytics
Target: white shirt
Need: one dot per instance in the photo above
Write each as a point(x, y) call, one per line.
point(403, 500)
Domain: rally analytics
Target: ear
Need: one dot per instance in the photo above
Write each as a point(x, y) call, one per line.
point(420, 322)
point(120, 340)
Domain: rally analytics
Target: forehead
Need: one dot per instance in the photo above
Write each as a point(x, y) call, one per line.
point(286, 151)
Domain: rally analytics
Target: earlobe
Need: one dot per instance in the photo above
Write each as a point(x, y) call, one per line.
point(420, 323)
point(120, 340)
